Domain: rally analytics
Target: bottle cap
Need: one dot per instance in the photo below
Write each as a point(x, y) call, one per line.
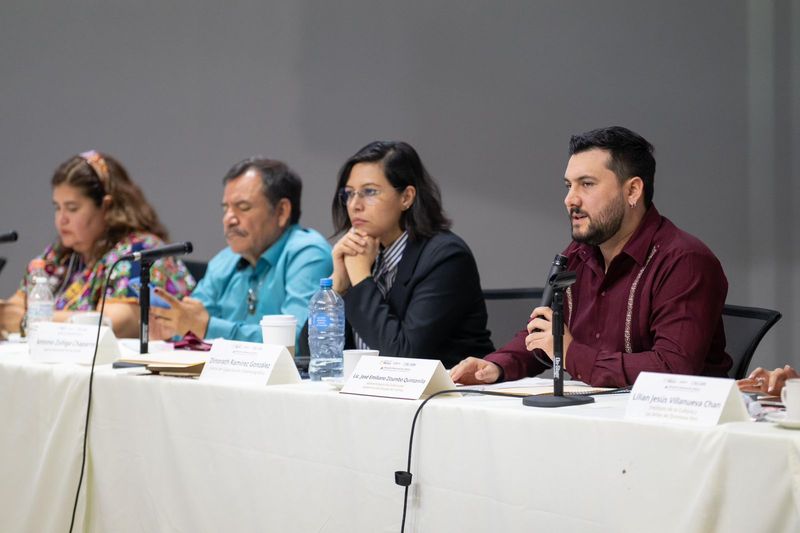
point(326, 283)
point(36, 264)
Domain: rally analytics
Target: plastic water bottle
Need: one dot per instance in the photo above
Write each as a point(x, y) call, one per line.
point(41, 303)
point(325, 332)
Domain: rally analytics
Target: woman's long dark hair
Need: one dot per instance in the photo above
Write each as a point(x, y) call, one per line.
point(129, 210)
point(402, 167)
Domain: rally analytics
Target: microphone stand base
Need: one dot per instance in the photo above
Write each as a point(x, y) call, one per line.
point(555, 401)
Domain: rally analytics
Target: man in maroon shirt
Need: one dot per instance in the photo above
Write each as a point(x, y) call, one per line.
point(648, 296)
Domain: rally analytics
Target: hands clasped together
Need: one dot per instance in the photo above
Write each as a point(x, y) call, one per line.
point(353, 257)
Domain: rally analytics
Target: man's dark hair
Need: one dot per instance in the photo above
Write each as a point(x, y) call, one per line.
point(631, 154)
point(402, 167)
point(278, 180)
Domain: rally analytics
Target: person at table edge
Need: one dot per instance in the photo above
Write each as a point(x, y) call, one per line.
point(272, 265)
point(764, 381)
point(648, 296)
point(100, 215)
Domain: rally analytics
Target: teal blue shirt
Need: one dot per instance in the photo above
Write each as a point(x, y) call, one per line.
point(284, 278)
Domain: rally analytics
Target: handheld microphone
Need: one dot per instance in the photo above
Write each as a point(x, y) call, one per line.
point(11, 236)
point(152, 254)
point(559, 282)
point(558, 266)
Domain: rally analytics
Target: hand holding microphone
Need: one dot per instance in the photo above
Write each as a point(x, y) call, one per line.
point(540, 333)
point(543, 312)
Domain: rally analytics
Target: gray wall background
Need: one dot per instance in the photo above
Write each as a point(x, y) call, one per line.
point(488, 92)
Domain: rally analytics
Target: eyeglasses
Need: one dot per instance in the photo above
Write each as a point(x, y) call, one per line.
point(368, 194)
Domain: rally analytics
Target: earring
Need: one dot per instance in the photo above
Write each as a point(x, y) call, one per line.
point(633, 204)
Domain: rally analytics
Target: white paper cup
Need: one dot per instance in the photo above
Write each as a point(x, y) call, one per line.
point(88, 318)
point(351, 358)
point(790, 396)
point(279, 329)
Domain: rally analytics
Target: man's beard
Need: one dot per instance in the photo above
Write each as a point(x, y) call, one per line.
point(601, 227)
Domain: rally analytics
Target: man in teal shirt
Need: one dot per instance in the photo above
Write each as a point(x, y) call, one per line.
point(271, 266)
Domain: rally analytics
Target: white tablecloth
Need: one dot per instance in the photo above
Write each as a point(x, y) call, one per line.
point(43, 408)
point(170, 454)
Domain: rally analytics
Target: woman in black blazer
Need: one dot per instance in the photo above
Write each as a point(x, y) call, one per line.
point(410, 286)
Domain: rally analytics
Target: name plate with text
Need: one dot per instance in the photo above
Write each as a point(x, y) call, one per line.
point(57, 342)
point(679, 399)
point(398, 377)
point(249, 363)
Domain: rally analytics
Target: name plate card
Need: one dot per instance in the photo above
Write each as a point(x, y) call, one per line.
point(687, 400)
point(249, 363)
point(398, 377)
point(56, 342)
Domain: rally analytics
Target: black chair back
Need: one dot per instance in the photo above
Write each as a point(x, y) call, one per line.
point(508, 311)
point(744, 329)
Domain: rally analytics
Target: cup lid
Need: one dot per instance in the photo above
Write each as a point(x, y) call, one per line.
point(278, 320)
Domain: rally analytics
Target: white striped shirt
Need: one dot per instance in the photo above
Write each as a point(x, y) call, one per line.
point(384, 271)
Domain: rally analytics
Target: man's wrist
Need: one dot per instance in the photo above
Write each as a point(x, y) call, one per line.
point(200, 325)
point(205, 319)
point(501, 374)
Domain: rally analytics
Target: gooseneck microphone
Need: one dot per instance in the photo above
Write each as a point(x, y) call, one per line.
point(179, 248)
point(11, 236)
point(146, 258)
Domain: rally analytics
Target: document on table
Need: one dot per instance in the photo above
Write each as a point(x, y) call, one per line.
point(177, 357)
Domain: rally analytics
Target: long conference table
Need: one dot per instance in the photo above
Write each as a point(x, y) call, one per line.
point(178, 455)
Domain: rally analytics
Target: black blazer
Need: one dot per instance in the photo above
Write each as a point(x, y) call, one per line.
point(435, 309)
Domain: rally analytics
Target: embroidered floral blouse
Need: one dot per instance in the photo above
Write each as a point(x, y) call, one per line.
point(78, 288)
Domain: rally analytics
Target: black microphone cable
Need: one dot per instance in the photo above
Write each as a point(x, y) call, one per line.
point(403, 477)
point(89, 401)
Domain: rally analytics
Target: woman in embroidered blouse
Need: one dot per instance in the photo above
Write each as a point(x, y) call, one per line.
point(100, 215)
point(410, 286)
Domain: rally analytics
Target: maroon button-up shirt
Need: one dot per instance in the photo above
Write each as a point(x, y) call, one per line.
point(658, 308)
